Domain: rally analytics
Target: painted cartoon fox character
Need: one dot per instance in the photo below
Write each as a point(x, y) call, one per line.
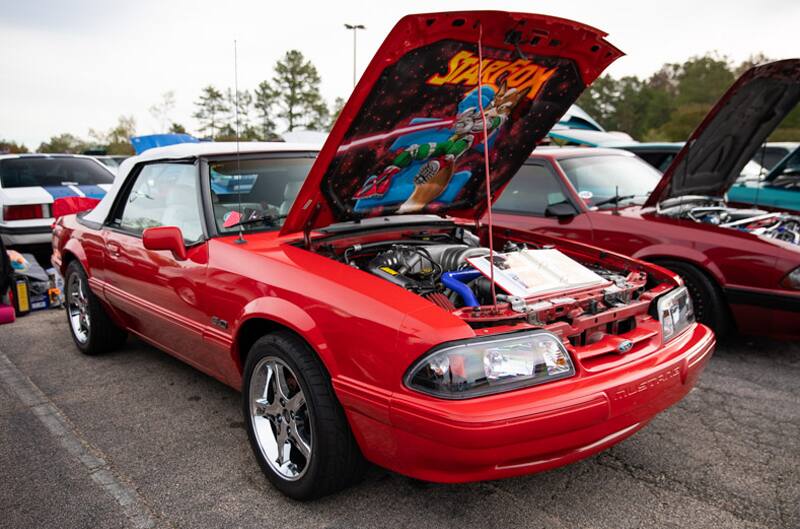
point(434, 175)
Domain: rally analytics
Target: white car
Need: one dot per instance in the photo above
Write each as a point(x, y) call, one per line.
point(31, 183)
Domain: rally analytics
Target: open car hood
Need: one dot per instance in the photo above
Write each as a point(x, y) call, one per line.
point(410, 139)
point(717, 151)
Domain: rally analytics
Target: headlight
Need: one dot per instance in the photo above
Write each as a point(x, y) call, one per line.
point(792, 279)
point(675, 312)
point(481, 367)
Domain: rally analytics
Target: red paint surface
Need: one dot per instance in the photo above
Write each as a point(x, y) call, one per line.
point(368, 332)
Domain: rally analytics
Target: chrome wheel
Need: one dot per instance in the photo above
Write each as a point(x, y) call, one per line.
point(78, 308)
point(281, 418)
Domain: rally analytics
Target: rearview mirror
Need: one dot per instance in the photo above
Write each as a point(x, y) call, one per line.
point(562, 211)
point(165, 238)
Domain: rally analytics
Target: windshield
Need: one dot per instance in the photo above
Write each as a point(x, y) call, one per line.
point(35, 172)
point(599, 179)
point(751, 172)
point(790, 165)
point(256, 189)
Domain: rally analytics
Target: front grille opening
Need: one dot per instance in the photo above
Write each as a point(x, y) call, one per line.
point(595, 334)
point(626, 325)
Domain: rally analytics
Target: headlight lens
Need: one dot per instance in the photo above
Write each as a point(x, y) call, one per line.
point(676, 313)
point(491, 366)
point(792, 279)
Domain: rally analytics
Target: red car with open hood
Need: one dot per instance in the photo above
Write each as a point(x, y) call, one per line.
point(741, 265)
point(349, 296)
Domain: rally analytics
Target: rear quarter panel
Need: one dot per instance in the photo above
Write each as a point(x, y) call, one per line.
point(73, 240)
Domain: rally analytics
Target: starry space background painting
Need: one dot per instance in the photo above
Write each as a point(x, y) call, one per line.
point(402, 96)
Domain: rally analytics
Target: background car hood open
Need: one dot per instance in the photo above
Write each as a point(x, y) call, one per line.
point(402, 114)
point(717, 151)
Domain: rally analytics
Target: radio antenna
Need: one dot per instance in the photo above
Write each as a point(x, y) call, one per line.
point(241, 239)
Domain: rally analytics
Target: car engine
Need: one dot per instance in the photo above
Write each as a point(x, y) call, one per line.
point(714, 210)
point(437, 268)
point(423, 266)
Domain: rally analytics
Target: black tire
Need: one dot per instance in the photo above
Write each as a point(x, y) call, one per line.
point(103, 335)
point(336, 461)
point(710, 307)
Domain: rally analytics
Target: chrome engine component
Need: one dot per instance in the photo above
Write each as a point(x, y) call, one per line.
point(425, 259)
point(778, 226)
point(419, 267)
point(713, 210)
point(711, 215)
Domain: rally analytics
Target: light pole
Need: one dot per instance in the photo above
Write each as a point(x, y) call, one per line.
point(355, 28)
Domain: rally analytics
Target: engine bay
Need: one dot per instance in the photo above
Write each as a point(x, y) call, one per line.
point(714, 210)
point(435, 265)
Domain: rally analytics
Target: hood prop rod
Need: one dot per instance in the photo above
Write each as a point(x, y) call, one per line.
point(486, 167)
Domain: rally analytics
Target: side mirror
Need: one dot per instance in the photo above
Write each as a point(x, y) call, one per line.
point(165, 238)
point(562, 211)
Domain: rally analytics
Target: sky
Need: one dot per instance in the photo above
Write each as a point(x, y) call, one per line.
point(72, 65)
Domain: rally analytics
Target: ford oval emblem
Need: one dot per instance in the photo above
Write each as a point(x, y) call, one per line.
point(625, 346)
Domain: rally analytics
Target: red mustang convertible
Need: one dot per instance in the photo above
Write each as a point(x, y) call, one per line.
point(354, 298)
point(741, 265)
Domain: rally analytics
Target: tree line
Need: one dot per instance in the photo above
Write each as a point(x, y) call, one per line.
point(665, 106)
point(291, 96)
point(668, 105)
point(289, 100)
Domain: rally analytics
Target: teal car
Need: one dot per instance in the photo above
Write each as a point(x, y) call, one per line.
point(780, 188)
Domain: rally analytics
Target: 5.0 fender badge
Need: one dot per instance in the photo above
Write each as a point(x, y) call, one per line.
point(219, 322)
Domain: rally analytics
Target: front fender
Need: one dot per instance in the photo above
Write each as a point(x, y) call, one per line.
point(681, 253)
point(291, 316)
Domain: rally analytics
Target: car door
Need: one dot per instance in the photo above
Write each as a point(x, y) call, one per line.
point(525, 201)
point(158, 295)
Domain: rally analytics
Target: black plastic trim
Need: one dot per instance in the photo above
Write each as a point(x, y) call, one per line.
point(25, 230)
point(740, 296)
point(81, 218)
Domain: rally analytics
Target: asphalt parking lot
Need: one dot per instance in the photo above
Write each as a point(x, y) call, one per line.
point(138, 439)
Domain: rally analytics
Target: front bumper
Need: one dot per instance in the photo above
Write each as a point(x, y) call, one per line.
point(528, 430)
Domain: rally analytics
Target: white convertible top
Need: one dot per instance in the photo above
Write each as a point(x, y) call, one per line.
point(184, 151)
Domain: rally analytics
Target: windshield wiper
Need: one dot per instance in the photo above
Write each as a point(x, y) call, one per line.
point(615, 198)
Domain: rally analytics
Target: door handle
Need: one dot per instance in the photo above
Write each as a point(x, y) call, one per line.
point(113, 249)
